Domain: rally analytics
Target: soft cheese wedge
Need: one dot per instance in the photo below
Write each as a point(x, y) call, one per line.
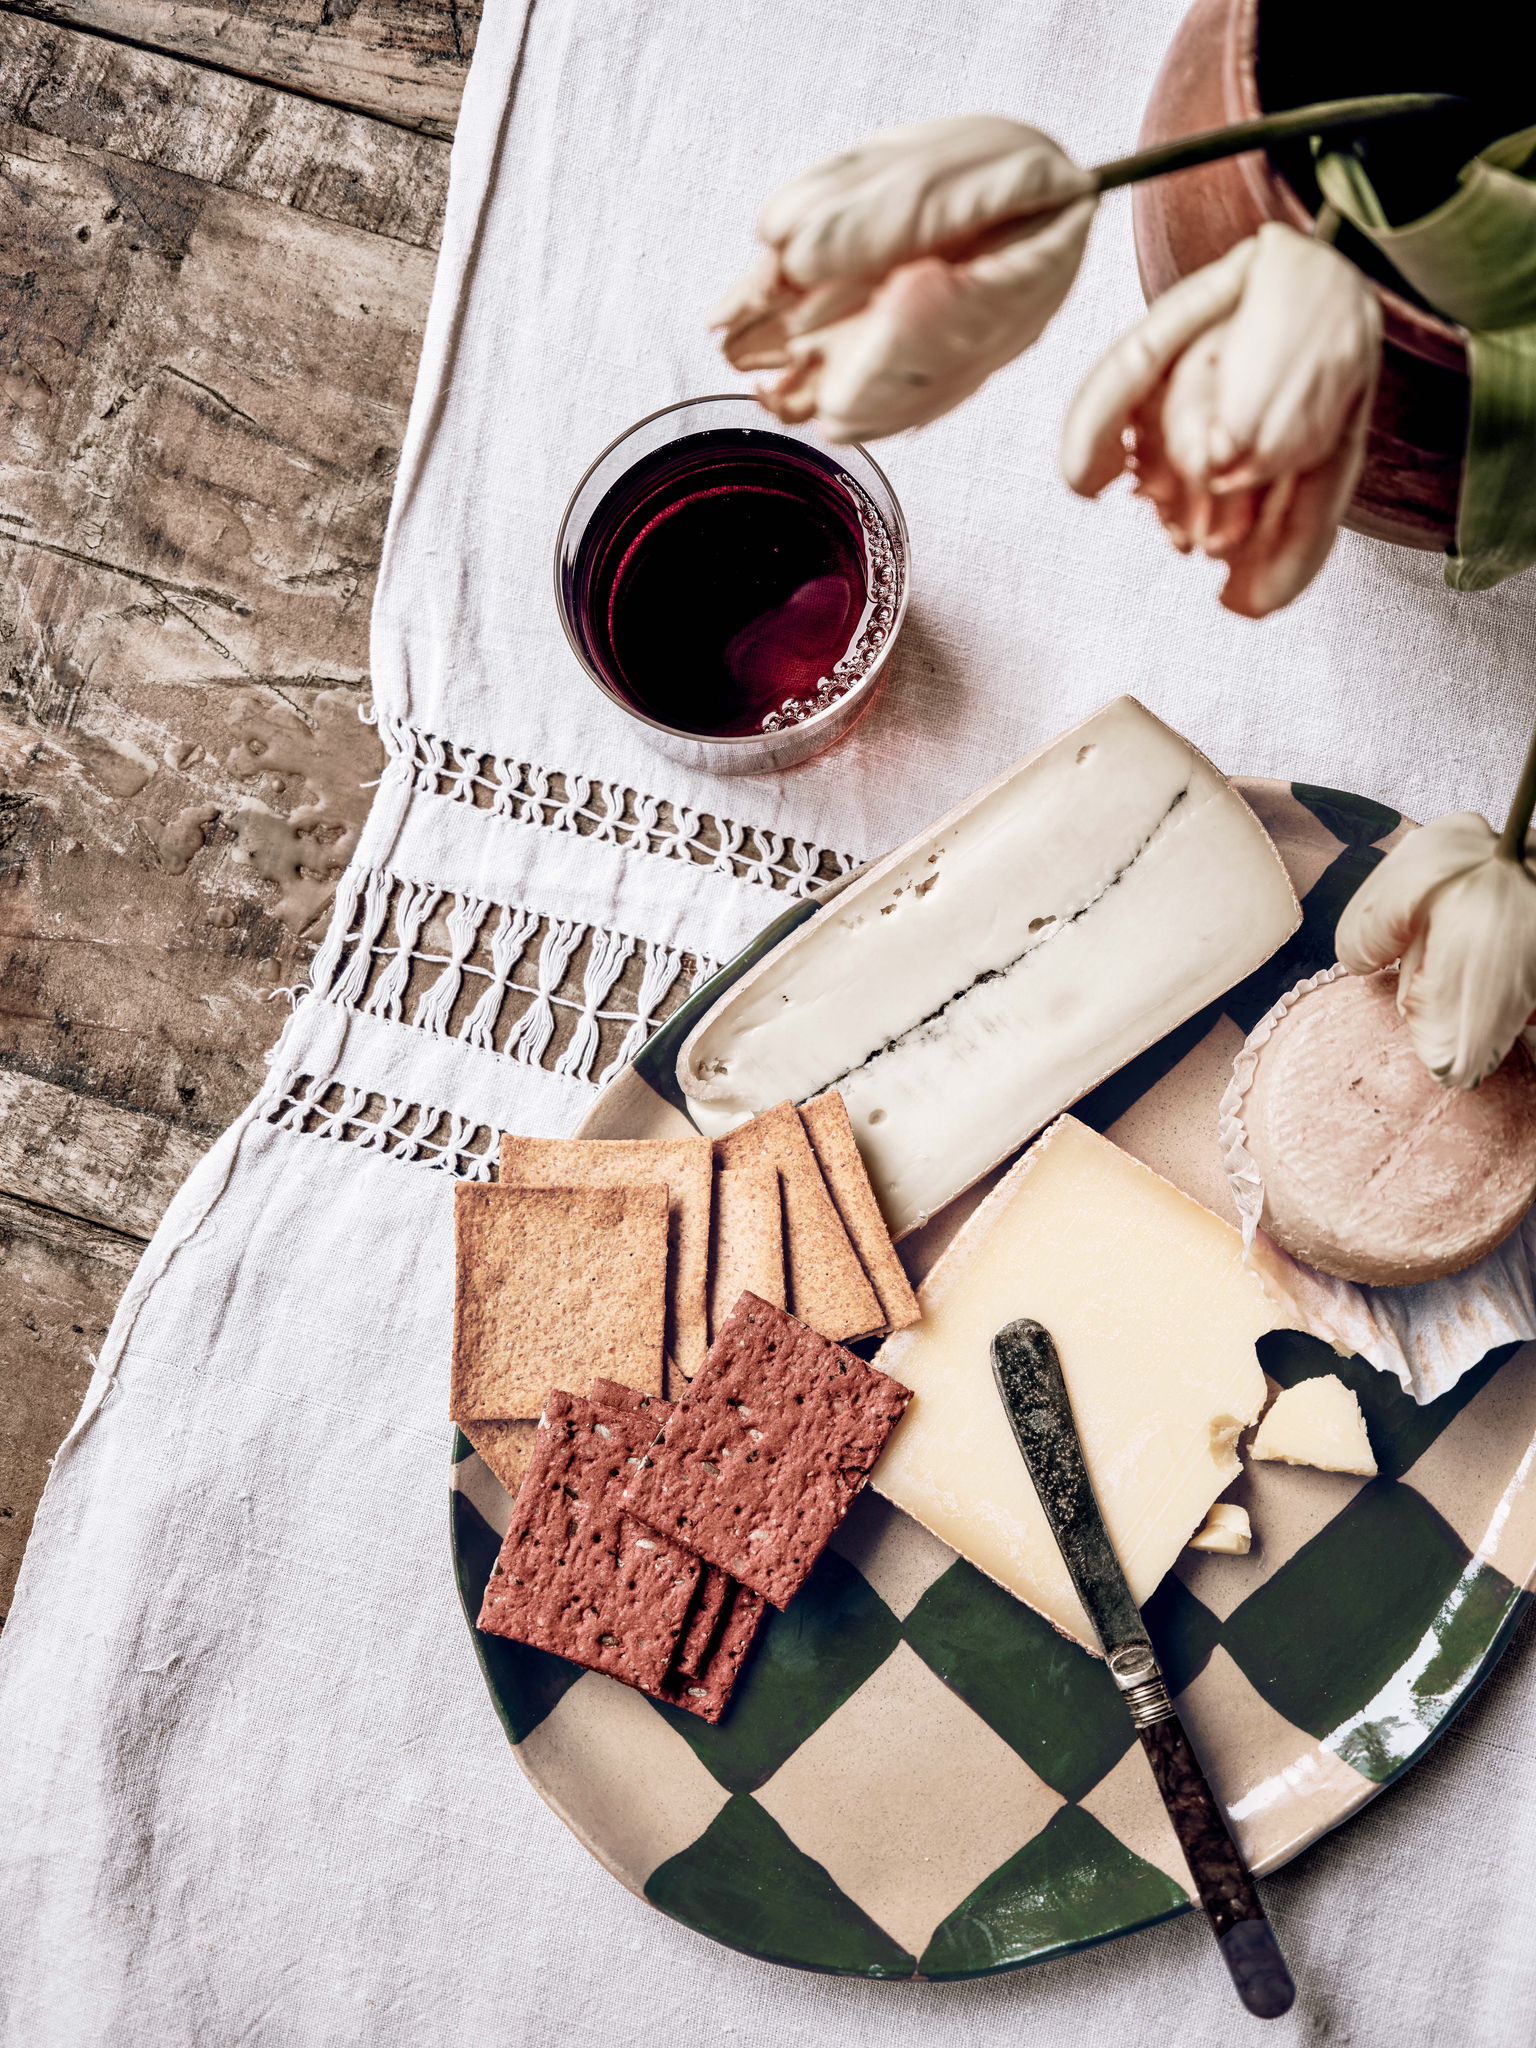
point(1316, 1422)
point(1155, 1317)
point(971, 986)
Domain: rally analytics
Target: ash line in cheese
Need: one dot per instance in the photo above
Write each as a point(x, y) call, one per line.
point(968, 987)
point(1056, 926)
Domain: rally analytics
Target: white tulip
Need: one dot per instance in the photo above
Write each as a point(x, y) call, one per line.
point(1241, 404)
point(1459, 916)
point(898, 276)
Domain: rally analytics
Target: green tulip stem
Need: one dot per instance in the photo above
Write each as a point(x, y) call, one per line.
point(1326, 117)
point(1518, 824)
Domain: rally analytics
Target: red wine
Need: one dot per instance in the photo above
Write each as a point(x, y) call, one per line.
point(733, 582)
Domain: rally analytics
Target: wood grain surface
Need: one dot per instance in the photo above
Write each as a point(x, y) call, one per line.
point(214, 272)
point(402, 60)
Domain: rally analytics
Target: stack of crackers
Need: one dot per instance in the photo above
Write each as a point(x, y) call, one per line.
point(619, 1261)
point(647, 1535)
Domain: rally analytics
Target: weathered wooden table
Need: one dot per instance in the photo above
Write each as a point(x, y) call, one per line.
point(219, 225)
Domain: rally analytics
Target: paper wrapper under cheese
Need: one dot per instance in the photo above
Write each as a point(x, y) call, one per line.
point(1426, 1336)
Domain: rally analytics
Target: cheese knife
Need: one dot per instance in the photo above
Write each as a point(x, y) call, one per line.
point(1029, 1378)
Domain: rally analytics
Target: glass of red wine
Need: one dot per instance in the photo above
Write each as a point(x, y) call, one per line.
point(733, 584)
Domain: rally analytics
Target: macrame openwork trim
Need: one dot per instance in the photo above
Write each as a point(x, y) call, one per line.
point(410, 1131)
point(606, 811)
point(576, 999)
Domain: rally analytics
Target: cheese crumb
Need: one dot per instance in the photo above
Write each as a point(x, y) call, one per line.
point(1227, 1531)
point(1317, 1422)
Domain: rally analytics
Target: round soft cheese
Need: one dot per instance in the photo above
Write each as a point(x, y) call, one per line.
point(1371, 1169)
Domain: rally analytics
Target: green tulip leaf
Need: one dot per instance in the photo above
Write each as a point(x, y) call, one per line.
point(1474, 259)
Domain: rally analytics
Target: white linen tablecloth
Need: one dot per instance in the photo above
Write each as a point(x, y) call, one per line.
point(252, 1788)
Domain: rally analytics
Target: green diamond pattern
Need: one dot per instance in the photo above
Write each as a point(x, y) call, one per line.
point(805, 1663)
point(1183, 1630)
point(1330, 1653)
point(1310, 948)
point(1075, 1883)
point(745, 1882)
point(1353, 820)
point(1048, 1699)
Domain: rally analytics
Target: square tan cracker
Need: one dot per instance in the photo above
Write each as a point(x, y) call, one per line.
point(555, 1287)
point(683, 1165)
point(827, 1286)
point(747, 1254)
point(848, 1183)
point(505, 1449)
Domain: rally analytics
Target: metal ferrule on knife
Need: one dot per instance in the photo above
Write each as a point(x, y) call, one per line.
point(1137, 1673)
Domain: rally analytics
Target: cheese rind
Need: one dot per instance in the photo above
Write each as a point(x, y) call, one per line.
point(1371, 1170)
point(1155, 1317)
point(1317, 1422)
point(1227, 1531)
point(969, 987)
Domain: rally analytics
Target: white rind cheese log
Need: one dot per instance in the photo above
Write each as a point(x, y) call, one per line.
point(973, 985)
point(1155, 1317)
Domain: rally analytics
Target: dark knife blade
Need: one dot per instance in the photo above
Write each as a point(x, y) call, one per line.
point(1029, 1378)
point(1034, 1390)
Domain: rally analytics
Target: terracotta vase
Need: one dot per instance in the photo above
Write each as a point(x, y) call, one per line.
point(1210, 77)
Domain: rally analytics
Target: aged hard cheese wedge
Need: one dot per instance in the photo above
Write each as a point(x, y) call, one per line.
point(968, 988)
point(1155, 1317)
point(1227, 1531)
point(1316, 1422)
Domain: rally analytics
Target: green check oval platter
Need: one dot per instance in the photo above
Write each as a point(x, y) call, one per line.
point(917, 1775)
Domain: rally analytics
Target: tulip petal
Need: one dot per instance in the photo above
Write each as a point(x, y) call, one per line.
point(799, 197)
point(1092, 438)
point(1302, 348)
point(1473, 985)
point(933, 332)
point(1380, 919)
point(758, 290)
point(934, 188)
point(1282, 554)
point(1189, 404)
point(1233, 518)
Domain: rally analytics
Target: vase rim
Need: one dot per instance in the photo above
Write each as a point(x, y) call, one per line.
point(1411, 327)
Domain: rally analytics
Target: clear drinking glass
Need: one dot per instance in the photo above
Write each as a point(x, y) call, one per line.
point(715, 568)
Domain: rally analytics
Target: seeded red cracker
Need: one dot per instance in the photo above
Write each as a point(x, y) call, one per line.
point(577, 1574)
point(707, 1691)
point(703, 1625)
point(762, 1458)
point(614, 1394)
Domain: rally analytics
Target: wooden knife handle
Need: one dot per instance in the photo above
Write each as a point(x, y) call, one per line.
point(1223, 1880)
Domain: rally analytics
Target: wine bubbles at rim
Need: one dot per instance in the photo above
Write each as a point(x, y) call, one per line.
point(734, 582)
